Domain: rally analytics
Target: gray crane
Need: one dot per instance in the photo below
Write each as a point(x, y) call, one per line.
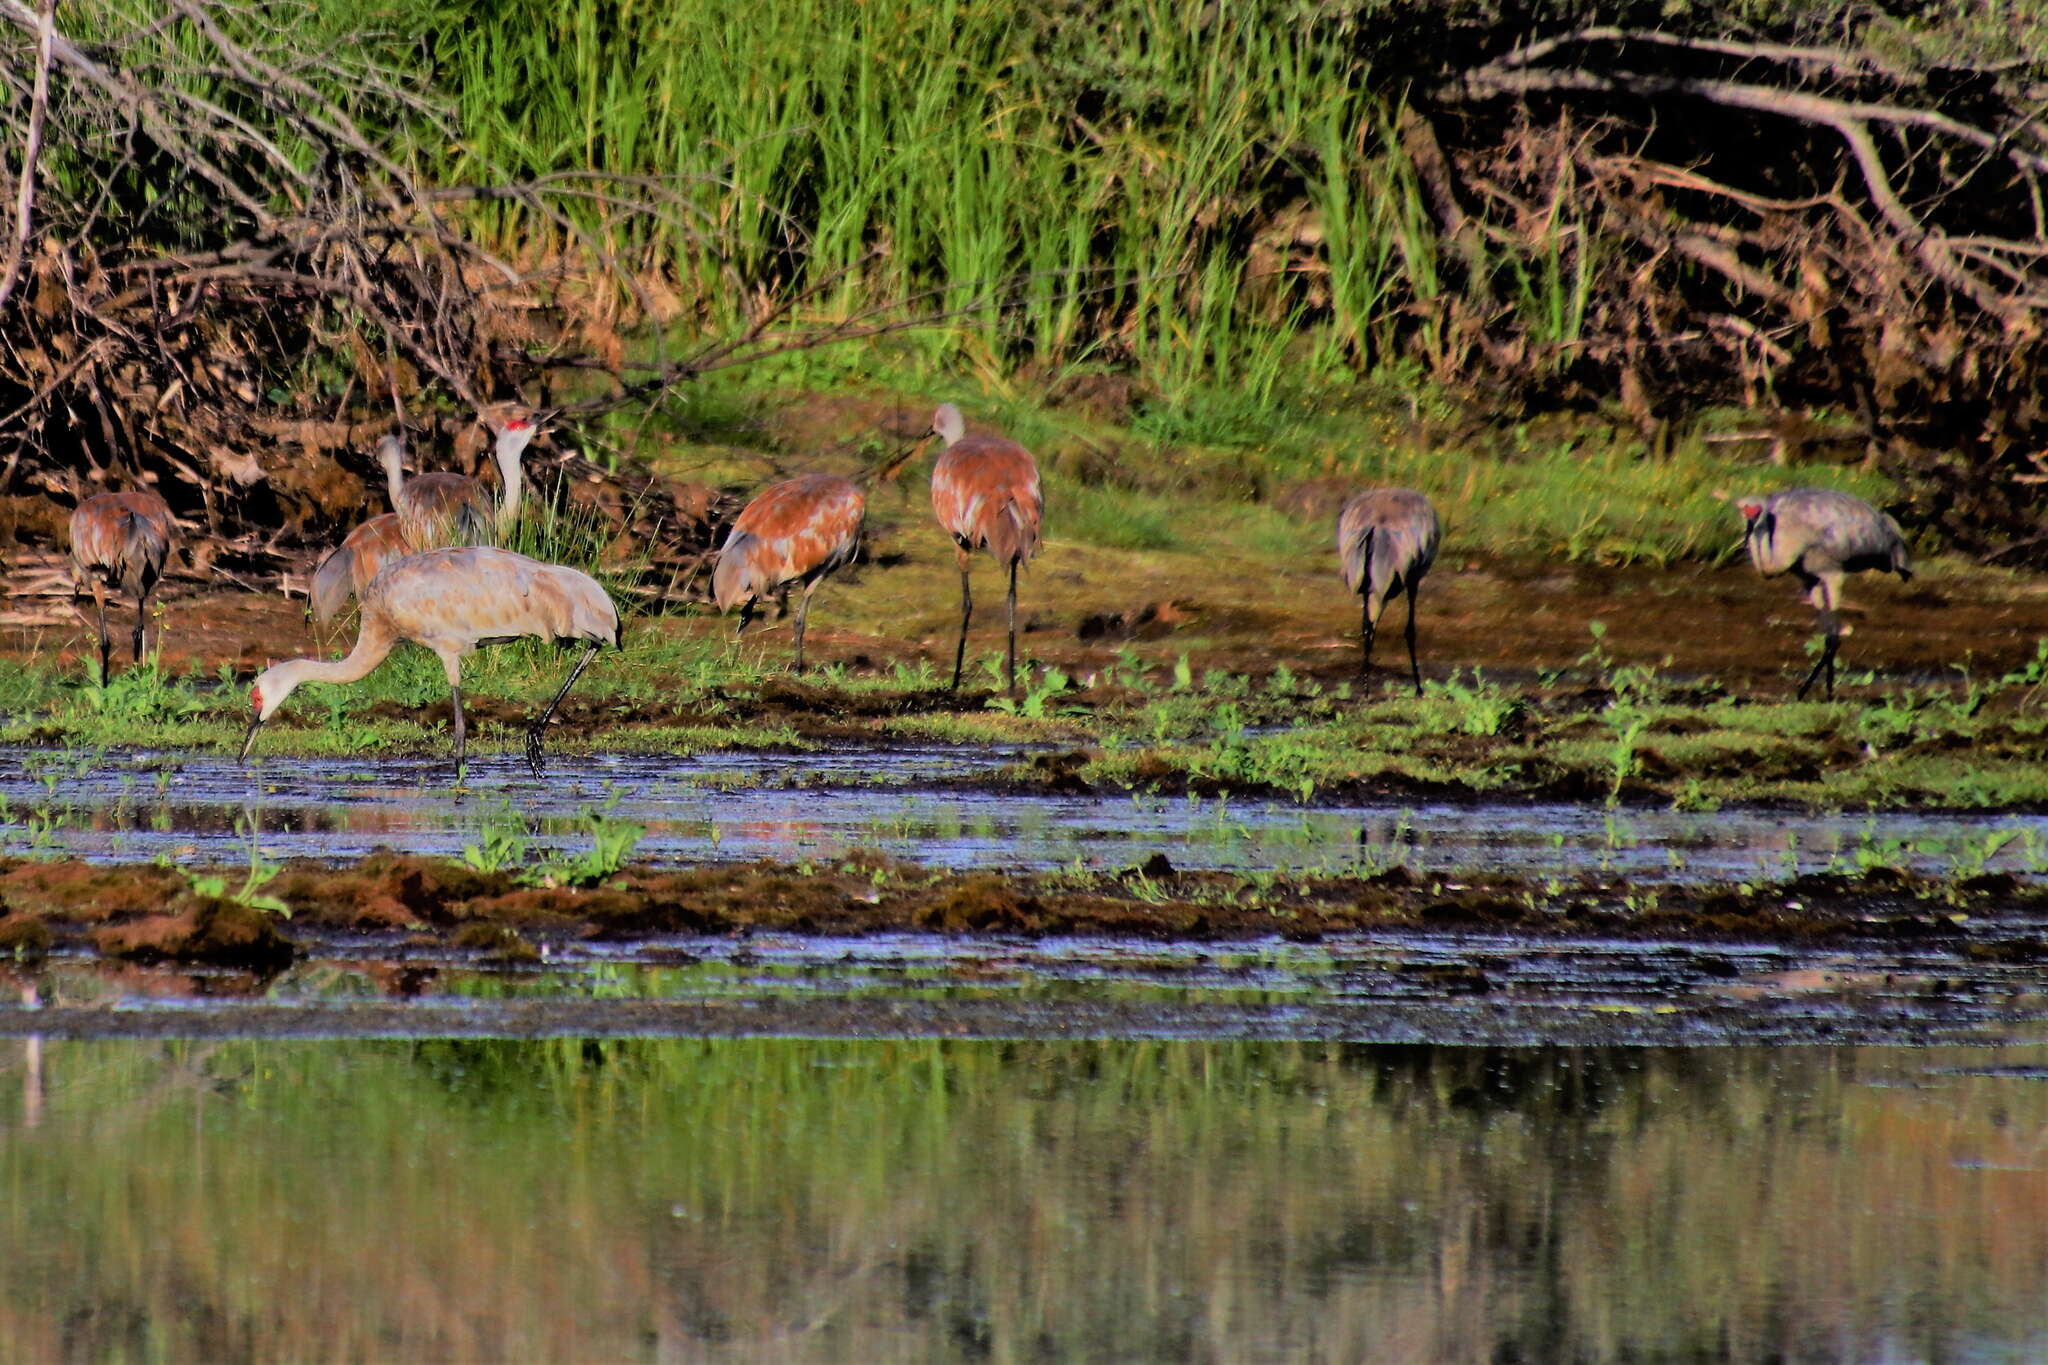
point(1386, 541)
point(1819, 536)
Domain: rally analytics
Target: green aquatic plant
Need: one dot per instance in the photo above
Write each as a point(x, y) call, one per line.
point(612, 842)
point(1032, 705)
point(1621, 755)
point(2030, 675)
point(259, 872)
point(1477, 707)
point(144, 694)
point(502, 841)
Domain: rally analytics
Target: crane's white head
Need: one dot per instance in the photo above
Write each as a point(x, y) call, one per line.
point(947, 424)
point(390, 451)
point(515, 436)
point(268, 692)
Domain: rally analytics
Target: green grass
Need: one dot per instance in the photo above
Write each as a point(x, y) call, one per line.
point(1117, 519)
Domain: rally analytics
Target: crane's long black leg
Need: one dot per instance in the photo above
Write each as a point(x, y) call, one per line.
point(99, 599)
point(1414, 668)
point(746, 618)
point(803, 612)
point(1367, 628)
point(1825, 664)
point(1826, 599)
point(966, 612)
point(538, 729)
point(1010, 663)
point(461, 729)
point(141, 615)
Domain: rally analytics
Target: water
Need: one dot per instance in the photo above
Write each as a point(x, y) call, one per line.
point(805, 1200)
point(1407, 986)
point(1391, 1146)
point(912, 803)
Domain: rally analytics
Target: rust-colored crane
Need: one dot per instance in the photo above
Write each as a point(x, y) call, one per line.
point(349, 567)
point(797, 531)
point(1819, 536)
point(985, 492)
point(1386, 541)
point(451, 600)
point(437, 509)
point(121, 539)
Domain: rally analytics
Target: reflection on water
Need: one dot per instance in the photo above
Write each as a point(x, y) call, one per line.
point(907, 801)
point(834, 1201)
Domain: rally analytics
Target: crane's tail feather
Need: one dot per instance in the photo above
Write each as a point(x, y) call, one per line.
point(1357, 559)
point(144, 548)
point(1012, 536)
point(732, 579)
point(333, 584)
point(473, 526)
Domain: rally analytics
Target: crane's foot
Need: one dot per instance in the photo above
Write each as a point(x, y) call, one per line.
point(533, 758)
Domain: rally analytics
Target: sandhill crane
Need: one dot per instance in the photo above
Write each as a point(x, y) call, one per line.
point(121, 538)
point(451, 600)
point(1819, 535)
point(794, 532)
point(1386, 541)
point(349, 567)
point(985, 492)
point(441, 509)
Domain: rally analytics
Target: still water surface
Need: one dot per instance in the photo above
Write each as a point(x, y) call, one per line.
point(805, 1200)
point(910, 802)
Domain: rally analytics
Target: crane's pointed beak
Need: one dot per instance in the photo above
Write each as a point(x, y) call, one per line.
point(249, 740)
point(895, 465)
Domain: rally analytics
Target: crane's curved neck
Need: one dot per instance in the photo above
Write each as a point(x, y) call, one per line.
point(511, 477)
point(394, 477)
point(373, 643)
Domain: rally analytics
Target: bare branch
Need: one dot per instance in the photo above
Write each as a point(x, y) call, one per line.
point(31, 154)
point(1830, 58)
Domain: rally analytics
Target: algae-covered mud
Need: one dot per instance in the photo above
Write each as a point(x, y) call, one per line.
point(515, 941)
point(1513, 921)
point(807, 1200)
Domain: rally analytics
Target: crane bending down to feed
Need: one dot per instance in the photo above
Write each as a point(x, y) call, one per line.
point(437, 509)
point(1386, 541)
point(121, 539)
point(986, 494)
point(349, 567)
point(1819, 536)
point(794, 532)
point(451, 600)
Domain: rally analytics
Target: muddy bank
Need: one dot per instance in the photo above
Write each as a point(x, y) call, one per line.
point(400, 905)
point(1090, 611)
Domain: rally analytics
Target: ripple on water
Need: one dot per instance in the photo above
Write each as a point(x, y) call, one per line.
point(915, 802)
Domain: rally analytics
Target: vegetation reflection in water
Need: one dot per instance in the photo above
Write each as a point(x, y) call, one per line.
point(807, 1200)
